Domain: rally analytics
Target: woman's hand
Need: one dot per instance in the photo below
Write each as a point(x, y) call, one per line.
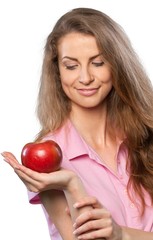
point(38, 182)
point(96, 223)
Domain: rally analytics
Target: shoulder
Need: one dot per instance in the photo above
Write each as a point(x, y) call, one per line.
point(69, 140)
point(65, 135)
point(60, 133)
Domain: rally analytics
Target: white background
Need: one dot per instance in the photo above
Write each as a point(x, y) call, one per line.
point(24, 26)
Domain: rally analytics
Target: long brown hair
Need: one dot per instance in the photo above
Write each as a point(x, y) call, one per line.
point(130, 104)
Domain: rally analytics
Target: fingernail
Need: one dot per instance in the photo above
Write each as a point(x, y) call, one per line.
point(74, 232)
point(79, 237)
point(75, 205)
point(74, 225)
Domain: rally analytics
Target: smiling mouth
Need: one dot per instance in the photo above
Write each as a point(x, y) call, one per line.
point(87, 92)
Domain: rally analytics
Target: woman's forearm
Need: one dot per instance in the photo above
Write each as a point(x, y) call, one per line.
point(55, 204)
point(73, 193)
point(134, 234)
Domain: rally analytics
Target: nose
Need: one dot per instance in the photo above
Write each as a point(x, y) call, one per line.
point(86, 77)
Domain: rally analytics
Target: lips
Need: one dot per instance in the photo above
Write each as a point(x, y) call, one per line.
point(87, 92)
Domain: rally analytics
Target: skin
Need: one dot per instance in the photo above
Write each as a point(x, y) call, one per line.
point(98, 219)
point(86, 79)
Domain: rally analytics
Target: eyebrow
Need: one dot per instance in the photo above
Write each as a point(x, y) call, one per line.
point(75, 59)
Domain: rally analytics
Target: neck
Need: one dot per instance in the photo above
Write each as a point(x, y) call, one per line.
point(91, 123)
point(94, 128)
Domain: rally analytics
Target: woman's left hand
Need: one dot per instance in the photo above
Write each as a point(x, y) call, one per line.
point(96, 223)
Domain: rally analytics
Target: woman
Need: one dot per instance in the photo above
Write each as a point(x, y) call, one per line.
point(96, 102)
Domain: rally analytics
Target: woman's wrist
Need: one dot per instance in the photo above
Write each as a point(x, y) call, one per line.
point(125, 234)
point(75, 187)
point(136, 234)
point(74, 192)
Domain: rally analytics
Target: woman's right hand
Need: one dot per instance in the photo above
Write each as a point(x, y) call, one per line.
point(38, 182)
point(96, 223)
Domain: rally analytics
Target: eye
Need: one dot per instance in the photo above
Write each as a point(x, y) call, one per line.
point(98, 64)
point(71, 67)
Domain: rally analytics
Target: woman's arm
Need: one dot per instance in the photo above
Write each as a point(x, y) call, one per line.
point(57, 191)
point(134, 234)
point(88, 217)
point(55, 203)
point(98, 222)
point(68, 182)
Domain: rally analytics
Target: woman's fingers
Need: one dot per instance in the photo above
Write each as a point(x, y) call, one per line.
point(30, 178)
point(21, 171)
point(29, 186)
point(67, 210)
point(98, 234)
point(30, 174)
point(30, 182)
point(42, 181)
point(88, 201)
point(94, 224)
point(39, 181)
point(10, 159)
point(9, 156)
point(94, 214)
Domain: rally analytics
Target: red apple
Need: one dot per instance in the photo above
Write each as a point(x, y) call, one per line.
point(43, 157)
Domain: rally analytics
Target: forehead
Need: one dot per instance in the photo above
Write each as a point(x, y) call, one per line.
point(77, 43)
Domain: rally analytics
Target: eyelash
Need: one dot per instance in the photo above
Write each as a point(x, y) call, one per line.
point(97, 64)
point(71, 67)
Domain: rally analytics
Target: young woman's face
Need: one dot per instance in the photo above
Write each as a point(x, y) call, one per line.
point(85, 76)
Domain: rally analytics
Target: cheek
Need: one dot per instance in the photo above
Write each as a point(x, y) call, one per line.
point(105, 74)
point(107, 77)
point(67, 79)
point(65, 86)
point(109, 84)
point(65, 83)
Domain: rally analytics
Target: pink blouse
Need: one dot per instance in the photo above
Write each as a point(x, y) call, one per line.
point(100, 181)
